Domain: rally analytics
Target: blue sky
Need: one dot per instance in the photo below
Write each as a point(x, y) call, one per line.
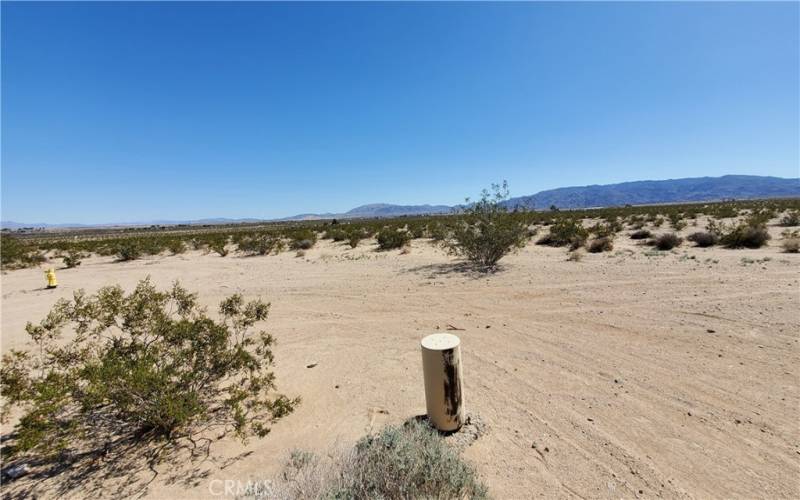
point(118, 112)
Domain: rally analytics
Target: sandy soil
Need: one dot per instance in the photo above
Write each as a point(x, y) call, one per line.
point(634, 373)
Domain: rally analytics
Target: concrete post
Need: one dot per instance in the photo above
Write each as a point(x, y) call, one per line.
point(441, 368)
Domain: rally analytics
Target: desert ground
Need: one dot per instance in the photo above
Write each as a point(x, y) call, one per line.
point(632, 373)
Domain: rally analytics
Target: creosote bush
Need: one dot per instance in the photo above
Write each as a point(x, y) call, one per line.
point(641, 234)
point(565, 232)
point(145, 366)
point(390, 238)
point(405, 462)
point(129, 250)
point(666, 241)
point(791, 218)
point(485, 231)
point(218, 245)
point(597, 245)
point(303, 240)
point(261, 244)
point(72, 259)
point(703, 239)
point(791, 245)
point(744, 235)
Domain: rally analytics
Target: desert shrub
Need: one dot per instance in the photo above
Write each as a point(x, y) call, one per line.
point(353, 239)
point(666, 241)
point(16, 254)
point(791, 245)
point(605, 229)
point(565, 232)
point(791, 218)
point(485, 231)
point(641, 234)
point(72, 258)
point(176, 246)
point(261, 244)
point(145, 366)
point(658, 221)
point(597, 245)
point(404, 462)
point(128, 250)
point(390, 238)
point(335, 234)
point(744, 235)
point(219, 245)
point(439, 232)
point(703, 239)
point(676, 221)
point(303, 240)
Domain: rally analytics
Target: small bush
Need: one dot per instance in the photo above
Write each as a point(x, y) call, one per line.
point(485, 231)
point(703, 239)
point(303, 240)
point(791, 218)
point(390, 238)
point(791, 245)
point(335, 234)
point(176, 246)
point(407, 462)
point(565, 232)
point(218, 245)
point(745, 235)
point(15, 254)
point(128, 250)
point(354, 239)
point(260, 245)
point(667, 241)
point(641, 234)
point(72, 259)
point(597, 245)
point(145, 367)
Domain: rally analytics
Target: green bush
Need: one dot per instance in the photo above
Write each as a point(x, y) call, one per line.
point(260, 245)
point(176, 246)
point(219, 245)
point(128, 250)
point(335, 234)
point(72, 259)
point(405, 462)
point(390, 238)
point(15, 254)
point(565, 232)
point(145, 366)
point(744, 235)
point(703, 239)
point(303, 240)
point(667, 241)
point(485, 231)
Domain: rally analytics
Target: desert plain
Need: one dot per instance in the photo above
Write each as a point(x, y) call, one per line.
point(633, 373)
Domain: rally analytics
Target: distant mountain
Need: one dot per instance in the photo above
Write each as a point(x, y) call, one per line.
point(694, 189)
point(385, 210)
point(667, 191)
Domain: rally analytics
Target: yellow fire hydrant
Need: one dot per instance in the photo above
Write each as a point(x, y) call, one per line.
point(50, 274)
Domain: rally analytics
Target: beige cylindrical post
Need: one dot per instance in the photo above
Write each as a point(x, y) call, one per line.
point(441, 367)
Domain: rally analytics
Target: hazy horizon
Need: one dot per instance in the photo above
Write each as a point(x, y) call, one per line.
point(121, 112)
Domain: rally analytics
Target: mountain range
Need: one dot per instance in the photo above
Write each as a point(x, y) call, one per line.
point(693, 189)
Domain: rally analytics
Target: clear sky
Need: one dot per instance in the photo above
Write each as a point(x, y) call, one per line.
point(122, 112)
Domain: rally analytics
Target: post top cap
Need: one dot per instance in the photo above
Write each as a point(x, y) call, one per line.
point(440, 342)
